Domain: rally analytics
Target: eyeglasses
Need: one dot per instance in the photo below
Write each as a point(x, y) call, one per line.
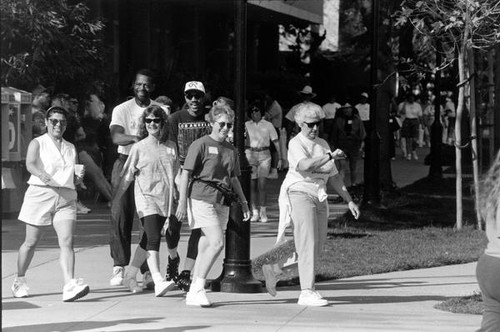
point(195, 95)
point(312, 124)
point(146, 86)
point(229, 125)
point(55, 122)
point(155, 120)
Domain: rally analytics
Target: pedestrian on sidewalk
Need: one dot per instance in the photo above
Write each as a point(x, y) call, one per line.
point(151, 165)
point(51, 200)
point(185, 126)
point(261, 134)
point(124, 128)
point(211, 169)
point(412, 113)
point(488, 266)
point(303, 202)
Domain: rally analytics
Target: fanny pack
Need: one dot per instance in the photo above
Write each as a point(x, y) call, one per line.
point(229, 196)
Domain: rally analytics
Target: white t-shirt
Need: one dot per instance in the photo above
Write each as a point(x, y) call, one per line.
point(274, 114)
point(261, 133)
point(411, 110)
point(127, 115)
point(330, 109)
point(364, 111)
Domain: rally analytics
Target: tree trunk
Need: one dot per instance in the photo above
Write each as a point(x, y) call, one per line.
point(458, 138)
point(473, 133)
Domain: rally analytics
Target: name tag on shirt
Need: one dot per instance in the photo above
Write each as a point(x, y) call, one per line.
point(349, 121)
point(171, 151)
point(213, 150)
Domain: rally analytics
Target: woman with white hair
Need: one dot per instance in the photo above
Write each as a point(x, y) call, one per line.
point(303, 201)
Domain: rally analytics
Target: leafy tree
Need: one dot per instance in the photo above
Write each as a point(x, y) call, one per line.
point(459, 27)
point(50, 42)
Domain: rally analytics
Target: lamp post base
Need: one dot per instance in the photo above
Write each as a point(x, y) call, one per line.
point(236, 277)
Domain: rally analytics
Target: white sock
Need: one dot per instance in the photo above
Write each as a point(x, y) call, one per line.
point(132, 271)
point(199, 283)
point(157, 278)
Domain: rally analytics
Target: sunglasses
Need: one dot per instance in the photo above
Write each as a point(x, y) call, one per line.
point(312, 124)
point(155, 120)
point(229, 125)
point(55, 122)
point(195, 95)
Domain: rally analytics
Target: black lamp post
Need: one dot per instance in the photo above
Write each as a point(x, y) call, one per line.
point(237, 275)
point(436, 171)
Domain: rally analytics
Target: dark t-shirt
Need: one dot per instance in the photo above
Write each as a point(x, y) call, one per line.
point(214, 161)
point(184, 129)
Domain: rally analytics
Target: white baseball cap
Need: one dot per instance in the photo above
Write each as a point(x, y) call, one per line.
point(364, 94)
point(194, 85)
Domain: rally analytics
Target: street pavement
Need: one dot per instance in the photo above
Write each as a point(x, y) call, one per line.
point(397, 301)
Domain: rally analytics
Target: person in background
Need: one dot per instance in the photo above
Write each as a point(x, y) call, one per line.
point(306, 95)
point(165, 103)
point(412, 113)
point(451, 115)
point(261, 134)
point(330, 110)
point(274, 114)
point(488, 266)
point(51, 200)
point(124, 128)
point(363, 108)
point(303, 202)
point(211, 163)
point(348, 134)
point(152, 165)
point(185, 126)
point(40, 103)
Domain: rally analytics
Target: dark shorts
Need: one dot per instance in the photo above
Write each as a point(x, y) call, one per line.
point(410, 128)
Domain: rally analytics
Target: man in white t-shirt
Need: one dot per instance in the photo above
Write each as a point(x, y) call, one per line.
point(124, 128)
point(363, 108)
point(330, 110)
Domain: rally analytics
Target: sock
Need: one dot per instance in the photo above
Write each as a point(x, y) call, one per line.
point(199, 283)
point(157, 278)
point(132, 271)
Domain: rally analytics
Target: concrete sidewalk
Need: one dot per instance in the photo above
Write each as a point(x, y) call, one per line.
point(398, 301)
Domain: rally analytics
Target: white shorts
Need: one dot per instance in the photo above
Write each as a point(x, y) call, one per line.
point(260, 162)
point(204, 214)
point(44, 205)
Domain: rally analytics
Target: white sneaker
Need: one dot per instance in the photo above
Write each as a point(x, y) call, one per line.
point(131, 283)
point(270, 277)
point(415, 155)
point(163, 287)
point(74, 290)
point(311, 298)
point(20, 287)
point(255, 215)
point(408, 157)
point(197, 298)
point(82, 209)
point(147, 281)
point(117, 277)
point(263, 214)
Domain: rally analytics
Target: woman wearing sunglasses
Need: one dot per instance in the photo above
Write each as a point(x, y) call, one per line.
point(303, 201)
point(211, 168)
point(51, 200)
point(152, 164)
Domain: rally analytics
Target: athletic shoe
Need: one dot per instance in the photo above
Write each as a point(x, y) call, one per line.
point(147, 281)
point(311, 298)
point(172, 269)
point(270, 277)
point(184, 280)
point(408, 156)
point(82, 209)
point(197, 298)
point(131, 283)
point(415, 156)
point(255, 215)
point(74, 290)
point(20, 287)
point(163, 287)
point(117, 276)
point(263, 214)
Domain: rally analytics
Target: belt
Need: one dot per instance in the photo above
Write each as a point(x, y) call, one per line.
point(257, 149)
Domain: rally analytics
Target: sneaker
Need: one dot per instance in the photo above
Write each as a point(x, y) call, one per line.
point(198, 298)
point(147, 281)
point(311, 298)
point(172, 269)
point(82, 209)
point(408, 156)
point(163, 287)
point(255, 215)
point(20, 287)
point(184, 280)
point(263, 214)
point(131, 283)
point(270, 277)
point(117, 277)
point(415, 156)
point(74, 290)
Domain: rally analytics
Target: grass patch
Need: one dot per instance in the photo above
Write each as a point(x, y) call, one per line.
point(463, 305)
point(410, 231)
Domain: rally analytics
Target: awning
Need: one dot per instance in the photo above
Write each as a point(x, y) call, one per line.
point(308, 10)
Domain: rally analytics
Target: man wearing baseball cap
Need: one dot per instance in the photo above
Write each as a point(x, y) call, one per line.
point(185, 126)
point(306, 95)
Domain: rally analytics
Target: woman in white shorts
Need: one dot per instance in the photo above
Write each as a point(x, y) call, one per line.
point(211, 166)
point(51, 200)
